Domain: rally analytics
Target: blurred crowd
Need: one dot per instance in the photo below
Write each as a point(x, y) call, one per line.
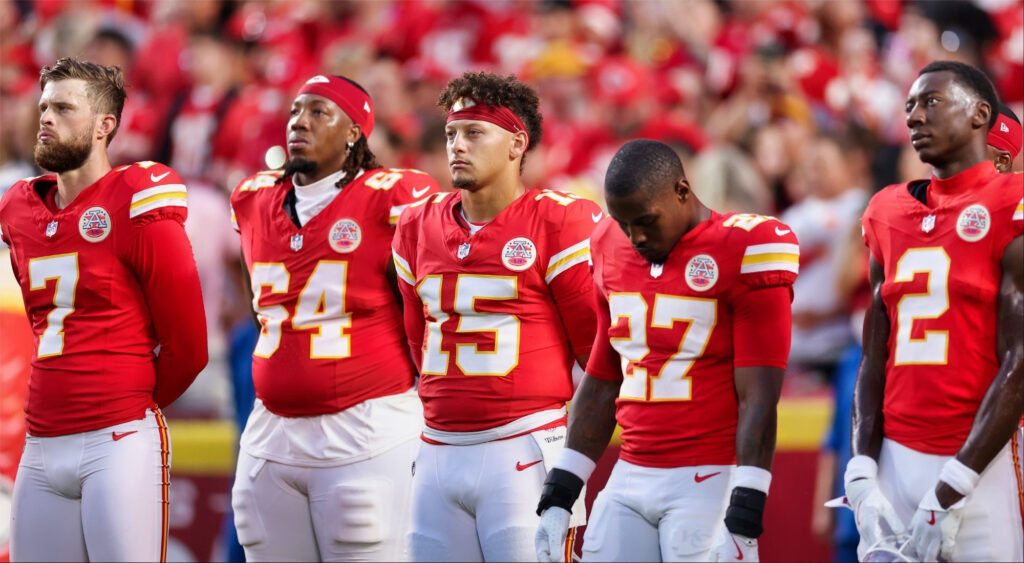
point(783, 107)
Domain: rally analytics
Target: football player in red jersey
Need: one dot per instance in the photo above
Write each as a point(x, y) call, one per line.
point(693, 334)
point(324, 471)
point(938, 396)
point(1004, 139)
point(111, 290)
point(498, 310)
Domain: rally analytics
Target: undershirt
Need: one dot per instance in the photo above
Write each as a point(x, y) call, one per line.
point(313, 198)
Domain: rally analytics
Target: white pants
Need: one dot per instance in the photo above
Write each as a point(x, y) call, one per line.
point(94, 496)
point(991, 526)
point(479, 502)
point(658, 514)
point(353, 512)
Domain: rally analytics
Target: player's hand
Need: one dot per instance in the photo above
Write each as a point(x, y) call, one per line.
point(874, 515)
point(733, 547)
point(933, 528)
point(550, 538)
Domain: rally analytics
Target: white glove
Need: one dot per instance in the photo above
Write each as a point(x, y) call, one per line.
point(933, 528)
point(874, 515)
point(550, 538)
point(733, 547)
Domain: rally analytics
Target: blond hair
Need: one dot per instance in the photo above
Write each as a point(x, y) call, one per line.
point(104, 85)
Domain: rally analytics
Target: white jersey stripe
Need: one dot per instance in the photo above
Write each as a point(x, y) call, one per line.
point(770, 266)
point(157, 190)
point(163, 202)
point(396, 213)
point(403, 269)
point(772, 248)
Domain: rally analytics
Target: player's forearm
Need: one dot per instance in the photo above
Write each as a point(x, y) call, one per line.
point(1000, 411)
point(758, 390)
point(868, 394)
point(162, 259)
point(592, 416)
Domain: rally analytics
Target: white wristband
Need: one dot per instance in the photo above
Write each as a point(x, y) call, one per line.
point(962, 478)
point(861, 467)
point(752, 477)
point(576, 463)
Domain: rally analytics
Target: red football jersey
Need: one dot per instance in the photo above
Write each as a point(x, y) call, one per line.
point(942, 265)
point(105, 280)
point(495, 319)
point(671, 333)
point(332, 333)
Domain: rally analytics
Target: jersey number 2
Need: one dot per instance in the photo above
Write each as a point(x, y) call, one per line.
point(934, 347)
point(671, 383)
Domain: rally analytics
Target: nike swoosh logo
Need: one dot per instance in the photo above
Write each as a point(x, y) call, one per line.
point(698, 478)
point(119, 436)
point(739, 552)
point(156, 178)
point(932, 521)
point(781, 232)
point(520, 466)
point(596, 216)
point(419, 193)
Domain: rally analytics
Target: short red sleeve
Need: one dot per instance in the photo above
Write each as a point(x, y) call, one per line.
point(412, 186)
point(157, 193)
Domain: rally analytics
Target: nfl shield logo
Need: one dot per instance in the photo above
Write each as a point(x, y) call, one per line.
point(656, 270)
point(463, 250)
point(51, 229)
point(928, 224)
point(296, 243)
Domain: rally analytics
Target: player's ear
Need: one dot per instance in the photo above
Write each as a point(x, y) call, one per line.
point(519, 145)
point(354, 132)
point(1003, 162)
point(682, 188)
point(982, 114)
point(105, 125)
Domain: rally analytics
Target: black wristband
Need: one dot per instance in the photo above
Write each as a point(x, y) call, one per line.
point(561, 489)
point(743, 516)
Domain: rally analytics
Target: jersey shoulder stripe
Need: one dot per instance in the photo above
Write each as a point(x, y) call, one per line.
point(402, 269)
point(771, 256)
point(1018, 214)
point(173, 195)
point(575, 254)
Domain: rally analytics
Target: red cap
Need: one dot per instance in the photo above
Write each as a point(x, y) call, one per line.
point(352, 99)
point(1006, 135)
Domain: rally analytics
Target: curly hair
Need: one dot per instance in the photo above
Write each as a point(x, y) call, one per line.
point(493, 90)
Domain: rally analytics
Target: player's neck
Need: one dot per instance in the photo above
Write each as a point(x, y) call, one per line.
point(73, 182)
point(971, 156)
point(486, 203)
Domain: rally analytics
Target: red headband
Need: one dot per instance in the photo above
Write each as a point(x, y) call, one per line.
point(1006, 135)
point(468, 108)
point(350, 98)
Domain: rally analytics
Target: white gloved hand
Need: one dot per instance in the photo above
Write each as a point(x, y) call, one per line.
point(550, 538)
point(733, 547)
point(874, 515)
point(933, 528)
